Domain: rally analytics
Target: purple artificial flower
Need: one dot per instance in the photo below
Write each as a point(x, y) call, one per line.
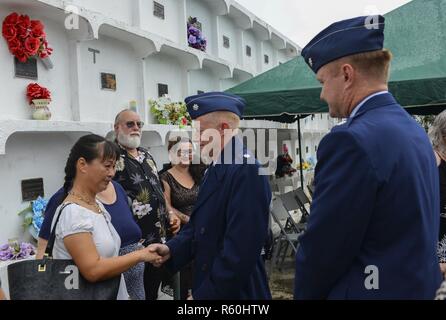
point(26, 249)
point(5, 252)
point(192, 39)
point(194, 31)
point(16, 252)
point(194, 35)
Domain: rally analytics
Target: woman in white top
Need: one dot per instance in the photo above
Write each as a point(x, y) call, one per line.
point(84, 232)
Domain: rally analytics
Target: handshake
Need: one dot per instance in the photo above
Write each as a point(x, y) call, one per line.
point(156, 254)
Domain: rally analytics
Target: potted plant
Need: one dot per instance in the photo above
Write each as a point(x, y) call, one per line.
point(39, 97)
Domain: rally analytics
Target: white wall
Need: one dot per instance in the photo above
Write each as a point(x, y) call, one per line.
point(121, 10)
point(229, 83)
point(202, 80)
point(168, 28)
point(165, 70)
point(228, 29)
point(118, 58)
point(196, 8)
point(281, 57)
point(268, 50)
point(14, 104)
point(250, 63)
point(47, 153)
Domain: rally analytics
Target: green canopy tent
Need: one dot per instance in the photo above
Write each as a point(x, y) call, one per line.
point(414, 33)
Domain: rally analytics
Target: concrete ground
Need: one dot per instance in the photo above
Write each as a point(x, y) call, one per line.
point(281, 282)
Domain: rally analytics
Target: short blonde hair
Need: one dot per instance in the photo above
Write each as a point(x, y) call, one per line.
point(375, 64)
point(225, 116)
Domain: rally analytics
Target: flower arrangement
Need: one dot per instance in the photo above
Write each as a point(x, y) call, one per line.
point(194, 36)
point(14, 250)
point(36, 92)
point(33, 216)
point(39, 98)
point(26, 38)
point(305, 166)
point(168, 112)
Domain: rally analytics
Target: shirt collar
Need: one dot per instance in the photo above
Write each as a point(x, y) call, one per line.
point(356, 109)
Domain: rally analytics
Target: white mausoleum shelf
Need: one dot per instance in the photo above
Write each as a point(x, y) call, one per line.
point(146, 43)
point(245, 20)
point(10, 127)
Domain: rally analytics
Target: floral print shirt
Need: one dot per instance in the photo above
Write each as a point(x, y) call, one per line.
point(139, 178)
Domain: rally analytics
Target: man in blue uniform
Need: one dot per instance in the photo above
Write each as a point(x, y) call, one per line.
point(374, 219)
point(228, 226)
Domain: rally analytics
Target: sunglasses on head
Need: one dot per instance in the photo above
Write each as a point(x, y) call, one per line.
point(131, 124)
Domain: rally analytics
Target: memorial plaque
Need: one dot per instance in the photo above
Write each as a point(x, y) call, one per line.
point(32, 189)
point(163, 89)
point(108, 81)
point(27, 70)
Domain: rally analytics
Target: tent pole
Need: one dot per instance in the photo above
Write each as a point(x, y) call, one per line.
point(299, 133)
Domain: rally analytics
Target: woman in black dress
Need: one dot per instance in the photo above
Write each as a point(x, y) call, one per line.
point(181, 184)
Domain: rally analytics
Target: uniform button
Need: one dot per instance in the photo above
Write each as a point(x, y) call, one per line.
point(202, 231)
point(204, 267)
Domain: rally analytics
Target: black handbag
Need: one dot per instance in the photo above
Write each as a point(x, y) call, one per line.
point(54, 279)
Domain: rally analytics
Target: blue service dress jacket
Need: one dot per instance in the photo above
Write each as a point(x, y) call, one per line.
point(227, 231)
point(374, 220)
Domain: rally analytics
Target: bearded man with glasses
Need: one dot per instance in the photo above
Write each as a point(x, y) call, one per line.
point(136, 171)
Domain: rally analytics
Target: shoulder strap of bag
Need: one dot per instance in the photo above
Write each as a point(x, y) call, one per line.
point(52, 239)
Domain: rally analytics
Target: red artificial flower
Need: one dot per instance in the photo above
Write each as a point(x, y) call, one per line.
point(20, 54)
point(34, 91)
point(46, 51)
point(37, 29)
point(23, 27)
point(14, 44)
point(24, 21)
point(32, 46)
point(184, 121)
point(22, 32)
point(11, 20)
point(25, 37)
point(9, 32)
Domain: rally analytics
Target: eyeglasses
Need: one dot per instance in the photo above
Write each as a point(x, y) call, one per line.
point(131, 124)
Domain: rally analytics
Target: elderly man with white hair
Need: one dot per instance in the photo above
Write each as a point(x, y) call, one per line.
point(136, 171)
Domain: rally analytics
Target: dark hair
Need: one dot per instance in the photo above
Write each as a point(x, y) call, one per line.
point(89, 147)
point(195, 170)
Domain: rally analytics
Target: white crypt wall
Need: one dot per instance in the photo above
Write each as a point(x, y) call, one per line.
point(173, 26)
point(115, 57)
point(14, 104)
point(202, 80)
point(229, 30)
point(25, 160)
point(250, 62)
point(121, 10)
point(168, 70)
